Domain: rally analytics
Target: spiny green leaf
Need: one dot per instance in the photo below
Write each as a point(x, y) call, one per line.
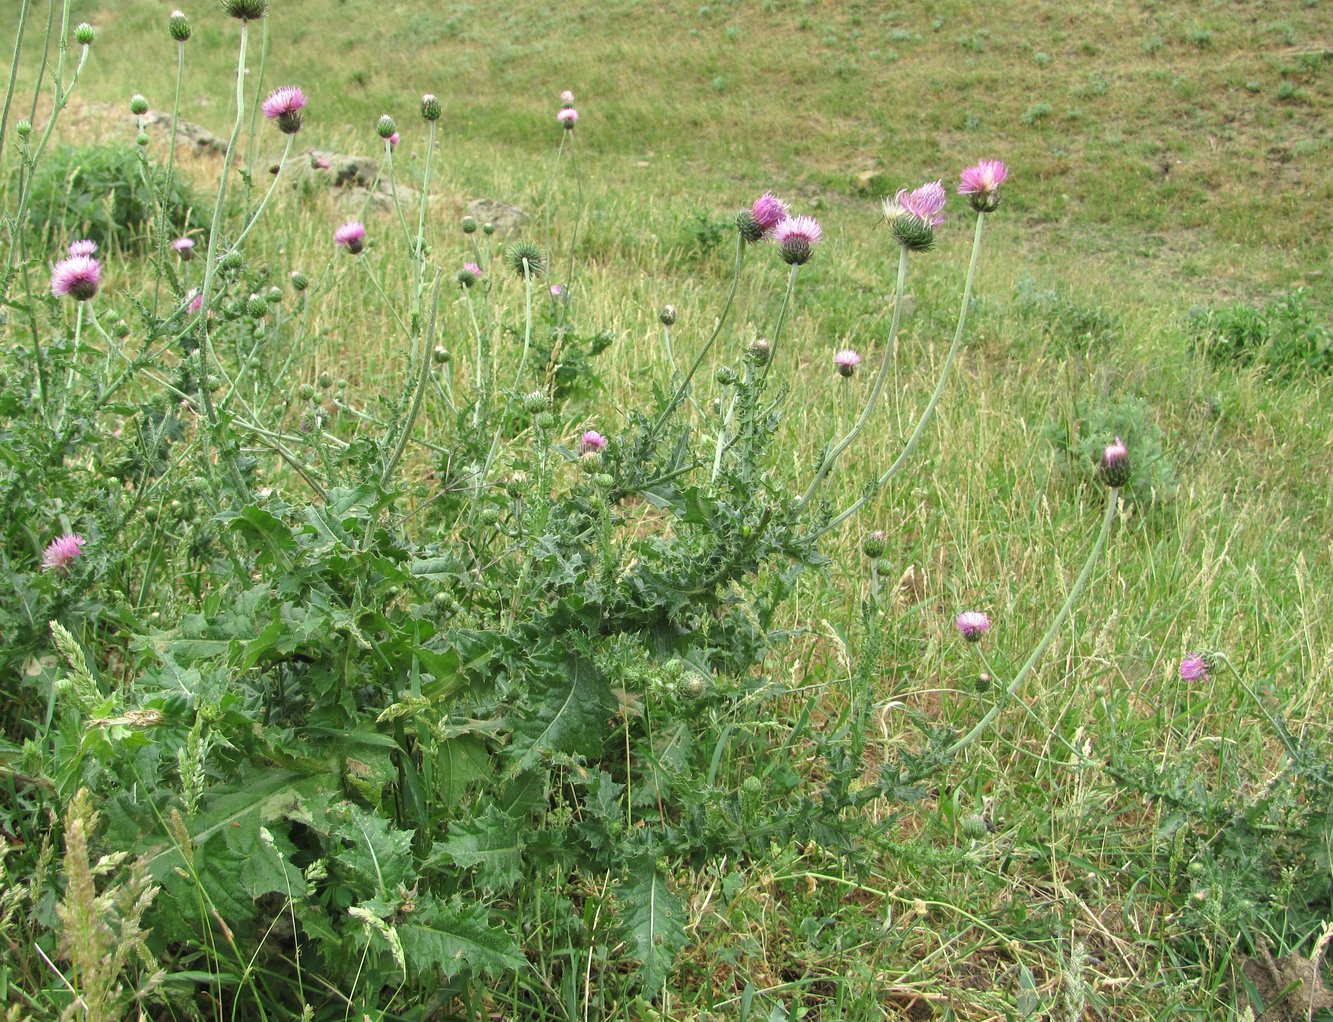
point(571, 704)
point(449, 937)
point(653, 921)
point(489, 843)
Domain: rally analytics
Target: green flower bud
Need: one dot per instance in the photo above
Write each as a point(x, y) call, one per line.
point(873, 545)
point(488, 229)
point(299, 280)
point(23, 128)
point(440, 356)
point(469, 225)
point(245, 10)
point(385, 126)
point(141, 139)
point(544, 420)
point(974, 827)
point(179, 26)
point(325, 380)
point(232, 260)
point(490, 514)
point(84, 34)
point(725, 375)
point(121, 329)
point(537, 401)
point(305, 392)
point(256, 307)
point(138, 105)
point(430, 108)
point(667, 315)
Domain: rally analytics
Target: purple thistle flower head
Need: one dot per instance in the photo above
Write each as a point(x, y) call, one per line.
point(769, 211)
point(924, 203)
point(1114, 467)
point(61, 551)
point(284, 106)
point(82, 248)
point(469, 274)
point(77, 276)
point(184, 247)
point(557, 291)
point(394, 139)
point(1194, 667)
point(795, 237)
point(981, 184)
point(592, 442)
point(972, 624)
point(569, 117)
point(195, 300)
point(351, 236)
point(846, 361)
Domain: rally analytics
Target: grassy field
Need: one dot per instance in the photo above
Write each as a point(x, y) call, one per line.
point(1123, 842)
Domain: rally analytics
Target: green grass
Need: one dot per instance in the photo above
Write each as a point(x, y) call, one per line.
point(1157, 179)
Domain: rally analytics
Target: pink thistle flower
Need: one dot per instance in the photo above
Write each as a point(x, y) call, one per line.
point(77, 276)
point(592, 442)
point(924, 203)
point(981, 184)
point(61, 552)
point(469, 274)
point(569, 117)
point(557, 291)
point(567, 98)
point(184, 247)
point(986, 176)
point(82, 248)
point(284, 106)
point(1114, 467)
point(795, 237)
point(393, 139)
point(769, 211)
point(351, 236)
point(195, 302)
point(1194, 667)
point(972, 624)
point(846, 361)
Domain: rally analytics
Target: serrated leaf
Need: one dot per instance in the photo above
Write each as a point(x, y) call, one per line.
point(653, 921)
point(379, 858)
point(458, 763)
point(490, 844)
point(448, 937)
point(570, 706)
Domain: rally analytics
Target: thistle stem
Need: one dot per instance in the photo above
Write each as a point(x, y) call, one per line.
point(1112, 502)
point(929, 410)
point(846, 441)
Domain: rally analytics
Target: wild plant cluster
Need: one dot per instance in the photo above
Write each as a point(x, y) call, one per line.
point(376, 723)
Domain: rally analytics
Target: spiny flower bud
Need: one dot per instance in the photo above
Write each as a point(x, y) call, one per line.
point(232, 260)
point(1114, 466)
point(23, 128)
point(84, 34)
point(488, 229)
point(760, 351)
point(440, 356)
point(245, 10)
point(179, 26)
point(299, 280)
point(912, 233)
point(974, 827)
point(305, 392)
point(138, 105)
point(325, 380)
point(121, 329)
point(544, 420)
point(385, 127)
point(725, 375)
point(873, 545)
point(536, 401)
point(141, 139)
point(667, 315)
point(469, 225)
point(526, 259)
point(256, 307)
point(430, 107)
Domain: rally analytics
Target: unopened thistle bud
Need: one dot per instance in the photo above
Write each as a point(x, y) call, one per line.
point(256, 307)
point(299, 280)
point(469, 274)
point(469, 225)
point(526, 259)
point(23, 128)
point(84, 34)
point(325, 380)
point(179, 26)
point(544, 420)
point(725, 375)
point(121, 329)
point(440, 356)
point(488, 229)
point(141, 139)
point(536, 401)
point(1114, 466)
point(430, 107)
point(873, 545)
point(385, 127)
point(138, 105)
point(232, 260)
point(667, 315)
point(760, 351)
point(245, 10)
